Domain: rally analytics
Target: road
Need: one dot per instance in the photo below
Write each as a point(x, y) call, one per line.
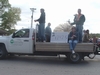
point(37, 65)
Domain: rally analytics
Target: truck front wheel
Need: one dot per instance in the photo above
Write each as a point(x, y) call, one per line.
point(74, 58)
point(3, 52)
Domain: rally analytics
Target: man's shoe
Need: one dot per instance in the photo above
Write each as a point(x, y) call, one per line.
point(73, 51)
point(44, 41)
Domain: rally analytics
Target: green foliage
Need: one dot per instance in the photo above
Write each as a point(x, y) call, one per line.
point(4, 4)
point(97, 35)
point(10, 17)
point(11, 31)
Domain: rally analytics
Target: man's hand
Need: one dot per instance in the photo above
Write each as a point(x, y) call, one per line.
point(35, 20)
point(74, 35)
point(69, 21)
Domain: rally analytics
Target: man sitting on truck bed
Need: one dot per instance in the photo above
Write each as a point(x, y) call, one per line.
point(73, 39)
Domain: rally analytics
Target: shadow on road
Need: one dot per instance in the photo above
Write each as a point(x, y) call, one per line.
point(44, 60)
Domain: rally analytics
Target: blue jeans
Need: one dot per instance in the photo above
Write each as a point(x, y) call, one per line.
point(72, 44)
point(79, 29)
point(41, 33)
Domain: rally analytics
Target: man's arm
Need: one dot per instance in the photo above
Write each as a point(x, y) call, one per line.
point(42, 18)
point(74, 21)
point(81, 20)
point(46, 30)
point(38, 19)
point(69, 36)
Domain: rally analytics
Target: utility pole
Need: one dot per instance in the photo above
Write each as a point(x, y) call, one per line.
point(32, 9)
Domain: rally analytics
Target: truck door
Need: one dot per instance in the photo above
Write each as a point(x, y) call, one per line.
point(20, 42)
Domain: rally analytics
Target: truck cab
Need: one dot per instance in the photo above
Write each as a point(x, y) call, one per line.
point(19, 42)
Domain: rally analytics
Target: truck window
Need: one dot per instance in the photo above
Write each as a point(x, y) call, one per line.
point(24, 33)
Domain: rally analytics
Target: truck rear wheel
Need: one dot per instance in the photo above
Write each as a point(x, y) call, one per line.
point(3, 52)
point(74, 58)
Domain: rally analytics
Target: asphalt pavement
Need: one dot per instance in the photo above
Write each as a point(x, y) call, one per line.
point(40, 65)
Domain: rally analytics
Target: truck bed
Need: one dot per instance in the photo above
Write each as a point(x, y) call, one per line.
point(63, 47)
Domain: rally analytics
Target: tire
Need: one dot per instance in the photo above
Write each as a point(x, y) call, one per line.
point(3, 52)
point(74, 58)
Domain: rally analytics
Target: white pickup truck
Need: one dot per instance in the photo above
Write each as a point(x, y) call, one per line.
point(23, 41)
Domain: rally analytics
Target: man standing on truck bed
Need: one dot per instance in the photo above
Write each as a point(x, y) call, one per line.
point(41, 30)
point(48, 32)
point(79, 20)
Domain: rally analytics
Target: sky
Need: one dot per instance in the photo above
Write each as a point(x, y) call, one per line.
point(59, 12)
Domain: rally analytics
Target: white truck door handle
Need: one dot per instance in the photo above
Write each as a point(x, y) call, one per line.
point(26, 40)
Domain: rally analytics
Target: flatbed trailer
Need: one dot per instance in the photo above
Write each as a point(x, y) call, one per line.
point(63, 47)
point(54, 49)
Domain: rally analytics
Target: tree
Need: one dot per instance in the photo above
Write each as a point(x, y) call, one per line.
point(63, 28)
point(4, 4)
point(10, 18)
point(94, 34)
point(11, 31)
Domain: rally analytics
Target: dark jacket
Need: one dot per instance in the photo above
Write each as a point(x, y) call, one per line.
point(42, 18)
point(81, 20)
point(86, 37)
point(71, 34)
point(48, 31)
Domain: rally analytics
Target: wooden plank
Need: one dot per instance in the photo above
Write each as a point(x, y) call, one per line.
point(64, 47)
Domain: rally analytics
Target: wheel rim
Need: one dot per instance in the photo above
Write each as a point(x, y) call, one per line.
point(74, 57)
point(1, 52)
